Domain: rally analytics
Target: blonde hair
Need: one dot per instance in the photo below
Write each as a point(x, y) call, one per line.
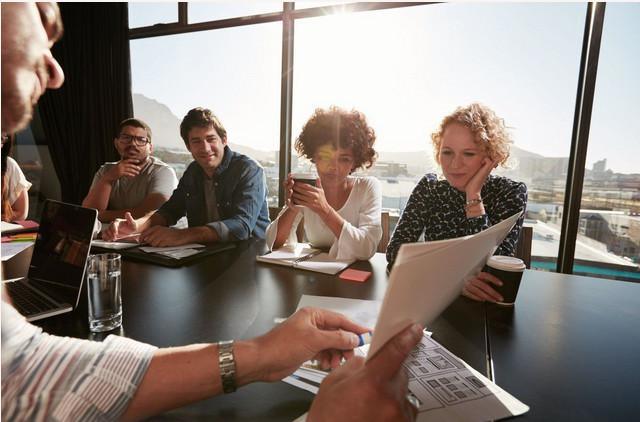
point(489, 131)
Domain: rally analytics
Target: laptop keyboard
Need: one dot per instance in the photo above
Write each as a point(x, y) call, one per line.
point(27, 301)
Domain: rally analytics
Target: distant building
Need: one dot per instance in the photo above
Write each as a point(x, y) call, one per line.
point(388, 169)
point(600, 166)
point(620, 232)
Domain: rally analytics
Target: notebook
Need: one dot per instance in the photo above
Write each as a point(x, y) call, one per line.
point(304, 257)
point(58, 263)
point(21, 226)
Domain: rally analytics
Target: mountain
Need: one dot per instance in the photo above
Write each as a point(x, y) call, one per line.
point(166, 134)
point(165, 127)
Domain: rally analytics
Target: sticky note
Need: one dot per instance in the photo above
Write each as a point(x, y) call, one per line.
point(355, 275)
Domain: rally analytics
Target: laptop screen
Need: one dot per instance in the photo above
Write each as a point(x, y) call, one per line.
point(62, 245)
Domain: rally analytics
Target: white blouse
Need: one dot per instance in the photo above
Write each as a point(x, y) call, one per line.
point(16, 182)
point(361, 231)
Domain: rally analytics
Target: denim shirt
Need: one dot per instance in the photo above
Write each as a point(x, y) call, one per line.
point(241, 193)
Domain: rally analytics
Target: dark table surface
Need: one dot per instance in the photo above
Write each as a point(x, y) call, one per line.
point(231, 296)
point(570, 348)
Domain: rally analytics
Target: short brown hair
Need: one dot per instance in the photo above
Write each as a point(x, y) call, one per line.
point(342, 129)
point(200, 117)
point(135, 123)
point(489, 131)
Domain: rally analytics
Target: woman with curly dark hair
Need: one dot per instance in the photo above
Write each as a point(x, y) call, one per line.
point(341, 212)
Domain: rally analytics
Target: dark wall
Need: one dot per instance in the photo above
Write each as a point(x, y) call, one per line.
point(80, 119)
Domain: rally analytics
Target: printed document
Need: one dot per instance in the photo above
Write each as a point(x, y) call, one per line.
point(428, 276)
point(447, 388)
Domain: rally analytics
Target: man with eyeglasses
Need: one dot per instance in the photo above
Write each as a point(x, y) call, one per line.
point(138, 184)
point(222, 193)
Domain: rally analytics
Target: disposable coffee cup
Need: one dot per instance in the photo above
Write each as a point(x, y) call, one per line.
point(509, 270)
point(308, 178)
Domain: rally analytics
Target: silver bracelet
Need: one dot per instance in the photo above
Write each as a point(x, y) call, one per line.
point(227, 363)
point(471, 202)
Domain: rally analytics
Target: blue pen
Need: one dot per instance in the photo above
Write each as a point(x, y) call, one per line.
point(365, 338)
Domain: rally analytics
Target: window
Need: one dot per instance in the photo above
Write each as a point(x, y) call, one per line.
point(235, 72)
point(147, 14)
point(395, 66)
point(610, 208)
point(204, 11)
point(31, 152)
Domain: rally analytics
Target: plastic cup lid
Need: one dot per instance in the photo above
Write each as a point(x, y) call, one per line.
point(308, 175)
point(506, 263)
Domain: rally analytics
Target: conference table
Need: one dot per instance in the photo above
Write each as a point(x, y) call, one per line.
point(568, 349)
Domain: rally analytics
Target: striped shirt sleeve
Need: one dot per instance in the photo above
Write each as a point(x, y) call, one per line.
point(46, 377)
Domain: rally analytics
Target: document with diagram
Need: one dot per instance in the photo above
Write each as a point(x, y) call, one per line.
point(447, 388)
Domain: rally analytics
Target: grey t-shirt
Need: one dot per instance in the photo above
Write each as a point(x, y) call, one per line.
point(128, 192)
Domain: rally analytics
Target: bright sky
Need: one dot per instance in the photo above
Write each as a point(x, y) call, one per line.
point(405, 69)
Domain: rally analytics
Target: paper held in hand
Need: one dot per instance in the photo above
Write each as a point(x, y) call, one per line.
point(428, 276)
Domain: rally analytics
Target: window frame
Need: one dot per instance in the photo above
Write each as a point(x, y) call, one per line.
point(590, 53)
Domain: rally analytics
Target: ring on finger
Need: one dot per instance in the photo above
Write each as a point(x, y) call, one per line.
point(413, 401)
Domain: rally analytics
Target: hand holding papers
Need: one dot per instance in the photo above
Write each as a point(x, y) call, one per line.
point(428, 276)
point(444, 386)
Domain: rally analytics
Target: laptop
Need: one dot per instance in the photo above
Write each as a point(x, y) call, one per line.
point(58, 263)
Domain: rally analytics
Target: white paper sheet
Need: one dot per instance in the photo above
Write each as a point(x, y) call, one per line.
point(425, 281)
point(364, 312)
point(113, 245)
point(5, 227)
point(179, 253)
point(151, 249)
point(11, 249)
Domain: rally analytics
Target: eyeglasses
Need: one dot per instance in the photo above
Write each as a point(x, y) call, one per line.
point(137, 140)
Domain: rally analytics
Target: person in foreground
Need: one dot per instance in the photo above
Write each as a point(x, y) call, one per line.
point(469, 144)
point(46, 377)
point(15, 187)
point(139, 183)
point(341, 212)
point(222, 193)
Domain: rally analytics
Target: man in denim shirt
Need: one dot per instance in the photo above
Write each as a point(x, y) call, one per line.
point(222, 193)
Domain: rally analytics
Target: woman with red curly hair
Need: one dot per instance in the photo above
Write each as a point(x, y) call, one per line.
point(342, 211)
point(468, 145)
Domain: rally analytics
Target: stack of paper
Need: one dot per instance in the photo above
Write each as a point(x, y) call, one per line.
point(175, 252)
point(446, 387)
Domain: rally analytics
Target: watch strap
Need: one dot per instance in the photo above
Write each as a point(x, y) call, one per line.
point(227, 363)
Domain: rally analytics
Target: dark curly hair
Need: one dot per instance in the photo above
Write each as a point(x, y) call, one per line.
point(200, 117)
point(342, 129)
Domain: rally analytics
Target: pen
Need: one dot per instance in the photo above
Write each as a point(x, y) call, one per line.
point(364, 338)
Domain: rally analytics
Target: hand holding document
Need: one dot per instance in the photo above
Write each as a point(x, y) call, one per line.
point(428, 276)
point(443, 386)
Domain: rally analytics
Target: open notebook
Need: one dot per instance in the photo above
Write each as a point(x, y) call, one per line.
point(305, 257)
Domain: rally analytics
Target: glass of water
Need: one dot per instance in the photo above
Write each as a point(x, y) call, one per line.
point(104, 289)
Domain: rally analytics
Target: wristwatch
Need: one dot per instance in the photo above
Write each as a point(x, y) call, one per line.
point(227, 363)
